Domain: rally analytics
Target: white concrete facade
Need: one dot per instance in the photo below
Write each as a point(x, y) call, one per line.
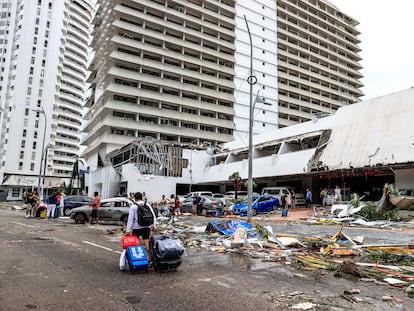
point(162, 70)
point(177, 71)
point(45, 63)
point(261, 18)
point(362, 135)
point(318, 60)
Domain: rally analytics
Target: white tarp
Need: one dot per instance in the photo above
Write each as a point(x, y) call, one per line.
point(20, 180)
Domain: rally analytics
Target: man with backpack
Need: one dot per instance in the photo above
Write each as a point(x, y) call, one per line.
point(141, 220)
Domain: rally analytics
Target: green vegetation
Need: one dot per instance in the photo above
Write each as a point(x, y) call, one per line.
point(370, 213)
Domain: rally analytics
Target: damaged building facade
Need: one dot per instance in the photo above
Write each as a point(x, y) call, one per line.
point(361, 147)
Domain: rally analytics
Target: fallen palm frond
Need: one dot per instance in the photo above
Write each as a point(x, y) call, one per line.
point(386, 256)
point(311, 261)
point(405, 276)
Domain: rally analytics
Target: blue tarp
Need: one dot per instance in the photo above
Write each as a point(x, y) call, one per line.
point(228, 227)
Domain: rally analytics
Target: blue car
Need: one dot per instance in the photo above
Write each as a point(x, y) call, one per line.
point(261, 204)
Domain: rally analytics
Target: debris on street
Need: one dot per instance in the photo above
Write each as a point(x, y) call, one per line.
point(340, 254)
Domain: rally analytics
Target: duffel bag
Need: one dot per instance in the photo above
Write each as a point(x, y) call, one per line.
point(168, 248)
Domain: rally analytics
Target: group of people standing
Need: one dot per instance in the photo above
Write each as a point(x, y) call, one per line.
point(172, 205)
point(54, 204)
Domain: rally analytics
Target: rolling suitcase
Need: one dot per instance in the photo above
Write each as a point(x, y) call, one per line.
point(137, 258)
point(166, 252)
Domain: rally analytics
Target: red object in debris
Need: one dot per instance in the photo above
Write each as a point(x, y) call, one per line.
point(229, 212)
point(129, 240)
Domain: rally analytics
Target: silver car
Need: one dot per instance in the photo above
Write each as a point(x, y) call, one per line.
point(208, 205)
point(112, 209)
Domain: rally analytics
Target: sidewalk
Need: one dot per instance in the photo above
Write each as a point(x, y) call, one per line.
point(297, 214)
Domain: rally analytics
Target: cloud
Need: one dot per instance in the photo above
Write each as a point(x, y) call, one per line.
point(387, 43)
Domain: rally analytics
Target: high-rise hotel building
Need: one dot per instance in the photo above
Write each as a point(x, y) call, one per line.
point(178, 70)
point(44, 48)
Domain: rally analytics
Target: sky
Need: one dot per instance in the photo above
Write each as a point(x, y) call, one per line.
point(387, 43)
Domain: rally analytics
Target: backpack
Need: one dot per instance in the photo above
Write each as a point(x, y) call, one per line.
point(145, 216)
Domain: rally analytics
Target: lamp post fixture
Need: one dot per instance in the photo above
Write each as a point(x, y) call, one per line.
point(251, 79)
point(39, 183)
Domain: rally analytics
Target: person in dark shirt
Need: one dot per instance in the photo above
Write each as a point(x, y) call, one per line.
point(52, 206)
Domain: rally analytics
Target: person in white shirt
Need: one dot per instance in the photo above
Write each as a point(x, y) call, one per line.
point(337, 193)
point(134, 228)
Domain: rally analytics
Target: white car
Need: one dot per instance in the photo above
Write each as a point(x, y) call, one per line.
point(231, 194)
point(200, 193)
point(112, 209)
point(220, 197)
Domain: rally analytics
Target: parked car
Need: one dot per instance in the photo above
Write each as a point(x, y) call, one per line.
point(221, 197)
point(3, 195)
point(208, 203)
point(200, 193)
point(407, 192)
point(72, 201)
point(300, 198)
point(285, 190)
point(241, 194)
point(261, 204)
point(112, 209)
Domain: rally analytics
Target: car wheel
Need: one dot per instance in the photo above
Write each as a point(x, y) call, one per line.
point(67, 211)
point(275, 207)
point(79, 218)
point(204, 212)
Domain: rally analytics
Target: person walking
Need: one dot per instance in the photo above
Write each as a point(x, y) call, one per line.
point(57, 210)
point(337, 194)
point(308, 198)
point(293, 199)
point(144, 197)
point(62, 204)
point(197, 204)
point(96, 203)
point(324, 196)
point(177, 207)
point(28, 200)
point(194, 207)
point(36, 203)
point(51, 206)
point(133, 226)
point(163, 206)
point(283, 201)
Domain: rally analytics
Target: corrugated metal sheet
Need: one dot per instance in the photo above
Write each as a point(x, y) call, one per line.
point(375, 132)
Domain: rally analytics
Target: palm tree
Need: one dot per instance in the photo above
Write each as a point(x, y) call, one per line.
point(235, 177)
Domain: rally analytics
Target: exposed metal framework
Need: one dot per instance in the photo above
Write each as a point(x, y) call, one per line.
point(151, 157)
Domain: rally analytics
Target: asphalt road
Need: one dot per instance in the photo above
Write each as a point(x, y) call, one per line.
point(57, 265)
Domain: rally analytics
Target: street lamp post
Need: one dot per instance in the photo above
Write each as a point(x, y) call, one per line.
point(39, 183)
point(251, 80)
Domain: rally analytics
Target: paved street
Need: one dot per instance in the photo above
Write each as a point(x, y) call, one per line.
point(57, 265)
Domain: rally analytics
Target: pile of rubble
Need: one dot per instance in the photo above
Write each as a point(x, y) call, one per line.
point(391, 265)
